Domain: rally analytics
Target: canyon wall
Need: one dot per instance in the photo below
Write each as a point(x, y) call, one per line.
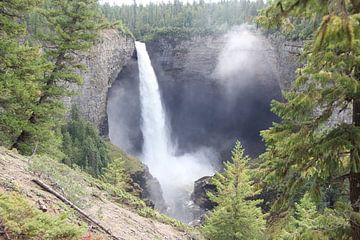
point(204, 110)
point(103, 62)
point(212, 109)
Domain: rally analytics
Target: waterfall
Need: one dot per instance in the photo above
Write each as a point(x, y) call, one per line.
point(176, 173)
point(156, 148)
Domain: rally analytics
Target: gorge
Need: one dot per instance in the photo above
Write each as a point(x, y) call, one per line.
point(178, 119)
point(215, 89)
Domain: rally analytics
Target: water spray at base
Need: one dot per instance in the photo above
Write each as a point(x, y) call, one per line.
point(176, 173)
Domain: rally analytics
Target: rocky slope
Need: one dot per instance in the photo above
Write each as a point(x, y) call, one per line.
point(103, 63)
point(17, 173)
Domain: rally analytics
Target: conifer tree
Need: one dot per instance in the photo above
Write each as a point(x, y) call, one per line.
point(309, 145)
point(235, 217)
point(84, 147)
point(22, 69)
point(72, 26)
point(116, 175)
point(308, 223)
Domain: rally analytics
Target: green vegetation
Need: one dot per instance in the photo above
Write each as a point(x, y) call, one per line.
point(24, 221)
point(309, 223)
point(21, 72)
point(83, 146)
point(145, 21)
point(131, 164)
point(235, 217)
point(79, 186)
point(119, 171)
point(34, 81)
point(307, 147)
point(311, 160)
point(74, 182)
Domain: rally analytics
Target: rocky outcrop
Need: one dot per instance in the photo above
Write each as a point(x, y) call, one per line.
point(199, 196)
point(103, 62)
point(151, 189)
point(184, 58)
point(286, 58)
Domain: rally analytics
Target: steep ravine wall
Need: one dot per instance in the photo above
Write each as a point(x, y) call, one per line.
point(214, 111)
point(202, 112)
point(285, 56)
point(195, 58)
point(103, 62)
point(107, 58)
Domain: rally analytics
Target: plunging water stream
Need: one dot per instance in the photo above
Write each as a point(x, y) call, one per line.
point(175, 173)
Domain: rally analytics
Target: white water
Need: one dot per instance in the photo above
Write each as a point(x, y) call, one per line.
point(176, 174)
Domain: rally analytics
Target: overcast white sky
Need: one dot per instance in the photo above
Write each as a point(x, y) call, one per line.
point(120, 2)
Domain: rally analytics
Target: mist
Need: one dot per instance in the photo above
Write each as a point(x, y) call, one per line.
point(245, 58)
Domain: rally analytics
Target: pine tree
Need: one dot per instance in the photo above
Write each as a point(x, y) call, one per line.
point(83, 146)
point(71, 28)
point(22, 69)
point(235, 217)
point(308, 145)
point(116, 175)
point(308, 223)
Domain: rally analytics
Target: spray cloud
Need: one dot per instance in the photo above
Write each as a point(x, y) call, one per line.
point(243, 60)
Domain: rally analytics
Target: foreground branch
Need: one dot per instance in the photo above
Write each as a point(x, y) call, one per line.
point(65, 200)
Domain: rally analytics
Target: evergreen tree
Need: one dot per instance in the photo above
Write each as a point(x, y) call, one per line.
point(22, 69)
point(83, 146)
point(235, 217)
point(177, 17)
point(307, 223)
point(116, 175)
point(72, 26)
point(309, 146)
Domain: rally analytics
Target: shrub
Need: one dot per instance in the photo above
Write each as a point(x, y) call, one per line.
point(21, 220)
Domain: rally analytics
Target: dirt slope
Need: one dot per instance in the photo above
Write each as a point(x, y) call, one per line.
point(123, 223)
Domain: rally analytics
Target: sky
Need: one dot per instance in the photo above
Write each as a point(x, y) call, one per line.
point(120, 2)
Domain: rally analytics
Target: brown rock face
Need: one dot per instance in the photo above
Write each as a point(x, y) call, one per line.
point(103, 63)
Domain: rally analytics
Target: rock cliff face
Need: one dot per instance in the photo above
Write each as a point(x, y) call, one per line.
point(200, 194)
point(285, 55)
point(215, 93)
point(151, 189)
point(206, 107)
point(103, 64)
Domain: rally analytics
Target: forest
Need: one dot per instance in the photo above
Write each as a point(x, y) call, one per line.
point(305, 184)
point(144, 21)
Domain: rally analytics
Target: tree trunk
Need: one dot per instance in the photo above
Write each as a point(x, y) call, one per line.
point(354, 157)
point(25, 135)
point(356, 5)
point(355, 176)
point(355, 203)
point(65, 200)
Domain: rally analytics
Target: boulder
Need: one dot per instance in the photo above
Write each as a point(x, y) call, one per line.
point(199, 195)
